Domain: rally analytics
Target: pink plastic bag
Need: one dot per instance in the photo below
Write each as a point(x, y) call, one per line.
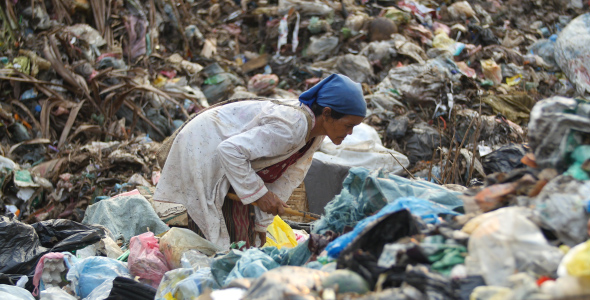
point(146, 260)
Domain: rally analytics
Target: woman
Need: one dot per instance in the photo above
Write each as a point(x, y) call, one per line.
point(261, 149)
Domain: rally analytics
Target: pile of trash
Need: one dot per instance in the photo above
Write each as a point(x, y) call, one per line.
point(467, 179)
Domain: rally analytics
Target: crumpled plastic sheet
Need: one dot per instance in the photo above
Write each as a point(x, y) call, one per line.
point(571, 52)
point(125, 216)
point(365, 192)
point(89, 273)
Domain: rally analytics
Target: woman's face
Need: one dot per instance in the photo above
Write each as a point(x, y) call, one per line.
point(338, 129)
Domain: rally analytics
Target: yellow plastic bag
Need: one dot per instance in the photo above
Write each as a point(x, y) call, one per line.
point(579, 264)
point(280, 234)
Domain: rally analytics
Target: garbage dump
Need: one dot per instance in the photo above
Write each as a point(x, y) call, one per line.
point(467, 177)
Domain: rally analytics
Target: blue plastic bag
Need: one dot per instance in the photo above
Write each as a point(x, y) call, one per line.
point(89, 273)
point(425, 209)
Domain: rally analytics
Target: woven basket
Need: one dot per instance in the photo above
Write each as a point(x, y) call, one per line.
point(298, 201)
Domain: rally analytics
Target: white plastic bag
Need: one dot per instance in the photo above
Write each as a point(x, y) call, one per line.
point(179, 240)
point(504, 242)
point(55, 293)
point(10, 292)
point(363, 148)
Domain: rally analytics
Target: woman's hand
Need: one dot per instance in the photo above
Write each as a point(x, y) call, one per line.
point(271, 204)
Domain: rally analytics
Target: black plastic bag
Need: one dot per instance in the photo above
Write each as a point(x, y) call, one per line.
point(129, 289)
point(422, 142)
point(362, 254)
point(22, 245)
point(505, 159)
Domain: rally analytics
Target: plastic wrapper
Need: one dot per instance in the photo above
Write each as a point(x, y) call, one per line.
point(87, 274)
point(282, 235)
point(571, 52)
point(504, 242)
point(179, 240)
point(146, 260)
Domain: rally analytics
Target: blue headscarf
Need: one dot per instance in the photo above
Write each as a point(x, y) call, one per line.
point(339, 93)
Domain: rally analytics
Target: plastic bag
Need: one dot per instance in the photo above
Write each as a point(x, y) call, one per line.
point(178, 240)
point(357, 67)
point(125, 288)
point(571, 49)
point(21, 245)
point(55, 293)
point(185, 284)
point(579, 264)
point(557, 125)
point(505, 159)
point(10, 292)
point(546, 50)
point(281, 234)
point(282, 282)
point(504, 242)
point(87, 274)
point(561, 206)
point(125, 216)
point(102, 291)
point(146, 260)
point(320, 47)
point(252, 264)
point(335, 248)
point(492, 71)
point(362, 149)
point(305, 8)
point(195, 260)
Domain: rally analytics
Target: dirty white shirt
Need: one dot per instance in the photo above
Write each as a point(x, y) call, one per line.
point(225, 147)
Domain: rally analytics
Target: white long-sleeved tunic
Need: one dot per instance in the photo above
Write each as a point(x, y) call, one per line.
point(225, 147)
